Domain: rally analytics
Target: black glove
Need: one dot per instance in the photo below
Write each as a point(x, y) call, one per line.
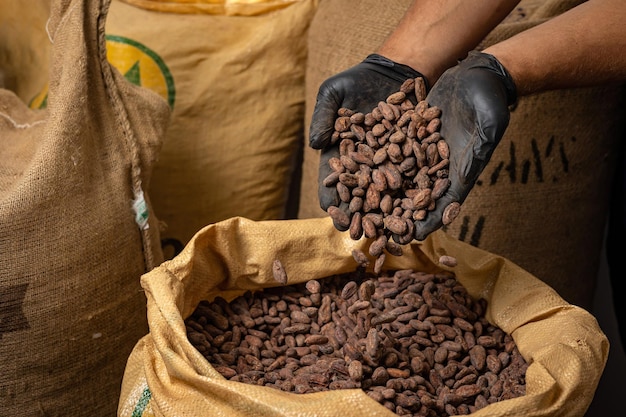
point(359, 88)
point(474, 98)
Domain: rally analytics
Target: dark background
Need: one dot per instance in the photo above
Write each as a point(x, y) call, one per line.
point(612, 387)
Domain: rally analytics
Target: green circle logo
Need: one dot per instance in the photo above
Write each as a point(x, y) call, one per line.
point(139, 65)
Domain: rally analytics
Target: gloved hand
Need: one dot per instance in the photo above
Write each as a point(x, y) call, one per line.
point(359, 88)
point(474, 97)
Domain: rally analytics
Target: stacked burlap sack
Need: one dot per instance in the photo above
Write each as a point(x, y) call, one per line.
point(167, 376)
point(81, 145)
point(542, 200)
point(233, 75)
point(77, 228)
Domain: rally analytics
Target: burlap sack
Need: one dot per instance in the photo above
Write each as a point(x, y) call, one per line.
point(24, 46)
point(543, 198)
point(167, 376)
point(76, 232)
point(234, 75)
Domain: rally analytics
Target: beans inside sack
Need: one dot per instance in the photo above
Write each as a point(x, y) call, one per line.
point(415, 342)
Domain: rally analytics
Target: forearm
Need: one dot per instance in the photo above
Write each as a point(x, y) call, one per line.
point(434, 34)
point(584, 46)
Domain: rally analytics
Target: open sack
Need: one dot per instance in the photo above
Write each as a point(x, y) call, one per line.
point(166, 376)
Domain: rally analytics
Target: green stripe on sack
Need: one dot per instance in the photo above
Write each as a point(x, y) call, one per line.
point(142, 403)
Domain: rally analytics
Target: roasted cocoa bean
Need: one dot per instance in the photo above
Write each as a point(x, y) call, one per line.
point(279, 273)
point(450, 213)
point(339, 217)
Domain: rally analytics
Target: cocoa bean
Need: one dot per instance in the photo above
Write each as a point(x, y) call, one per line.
point(279, 273)
point(450, 213)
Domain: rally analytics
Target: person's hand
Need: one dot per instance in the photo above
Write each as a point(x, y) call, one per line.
point(474, 97)
point(359, 88)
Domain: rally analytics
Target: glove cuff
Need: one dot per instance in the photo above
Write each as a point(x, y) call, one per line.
point(490, 62)
point(404, 71)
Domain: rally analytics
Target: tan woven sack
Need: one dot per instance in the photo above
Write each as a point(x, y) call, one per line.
point(233, 75)
point(77, 229)
point(167, 376)
point(24, 46)
point(543, 198)
point(233, 72)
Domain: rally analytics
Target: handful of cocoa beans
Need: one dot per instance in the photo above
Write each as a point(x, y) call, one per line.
point(391, 169)
point(415, 342)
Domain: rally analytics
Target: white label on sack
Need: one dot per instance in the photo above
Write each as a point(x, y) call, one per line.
point(141, 211)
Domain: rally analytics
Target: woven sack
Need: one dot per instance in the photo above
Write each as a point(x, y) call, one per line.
point(77, 231)
point(233, 72)
point(24, 46)
point(167, 376)
point(542, 199)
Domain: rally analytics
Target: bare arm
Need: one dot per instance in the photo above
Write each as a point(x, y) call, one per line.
point(585, 45)
point(434, 34)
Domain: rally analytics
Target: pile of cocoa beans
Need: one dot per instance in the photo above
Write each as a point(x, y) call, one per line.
point(415, 342)
point(391, 169)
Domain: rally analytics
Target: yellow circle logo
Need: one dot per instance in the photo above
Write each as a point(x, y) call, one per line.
point(139, 65)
